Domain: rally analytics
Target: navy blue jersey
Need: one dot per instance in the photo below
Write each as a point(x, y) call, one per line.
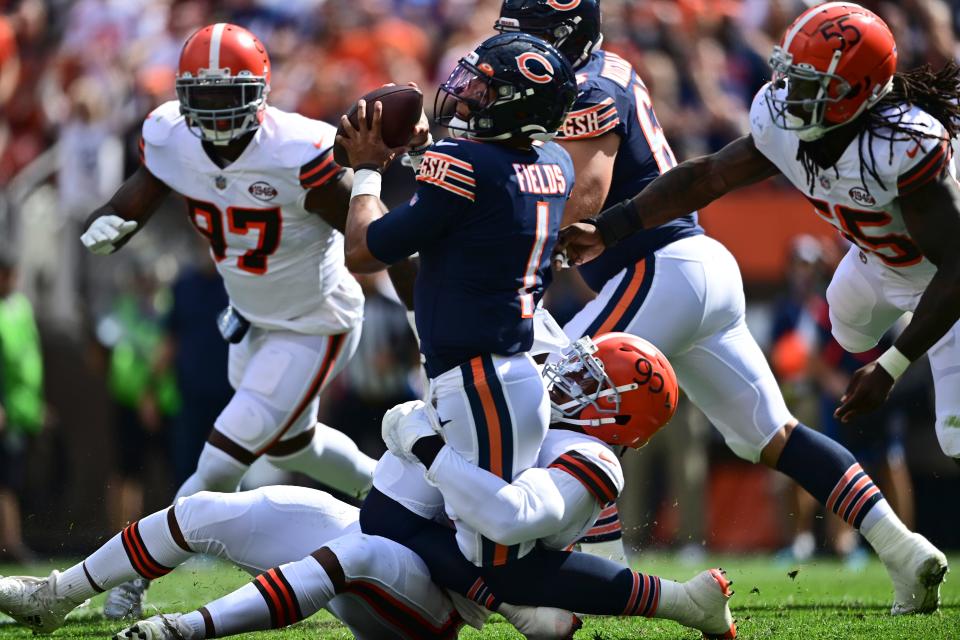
point(612, 98)
point(484, 220)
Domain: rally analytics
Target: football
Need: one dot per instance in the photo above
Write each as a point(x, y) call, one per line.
point(402, 106)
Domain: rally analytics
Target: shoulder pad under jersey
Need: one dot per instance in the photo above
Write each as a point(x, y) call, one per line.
point(760, 120)
point(161, 122)
point(299, 139)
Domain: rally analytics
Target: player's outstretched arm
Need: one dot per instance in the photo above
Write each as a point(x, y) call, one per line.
point(932, 216)
point(687, 187)
point(112, 225)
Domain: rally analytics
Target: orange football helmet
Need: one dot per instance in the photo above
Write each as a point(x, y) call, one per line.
point(222, 82)
point(835, 61)
point(618, 388)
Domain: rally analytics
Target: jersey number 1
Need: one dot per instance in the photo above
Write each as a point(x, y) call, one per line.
point(208, 220)
point(531, 277)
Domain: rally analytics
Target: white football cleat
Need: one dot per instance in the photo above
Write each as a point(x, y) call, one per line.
point(917, 569)
point(708, 596)
point(33, 602)
point(166, 626)
point(541, 623)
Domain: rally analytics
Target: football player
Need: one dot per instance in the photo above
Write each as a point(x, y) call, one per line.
point(262, 186)
point(870, 148)
point(484, 220)
point(375, 586)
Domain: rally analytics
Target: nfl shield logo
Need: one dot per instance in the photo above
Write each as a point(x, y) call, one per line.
point(220, 182)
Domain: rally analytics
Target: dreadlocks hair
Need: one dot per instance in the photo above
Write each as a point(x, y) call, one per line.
point(936, 92)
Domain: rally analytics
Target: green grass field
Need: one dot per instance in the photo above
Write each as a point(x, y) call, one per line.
point(823, 601)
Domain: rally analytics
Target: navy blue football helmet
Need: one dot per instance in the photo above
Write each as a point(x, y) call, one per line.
point(512, 85)
point(572, 26)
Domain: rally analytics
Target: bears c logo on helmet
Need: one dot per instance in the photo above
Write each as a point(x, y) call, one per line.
point(524, 60)
point(563, 6)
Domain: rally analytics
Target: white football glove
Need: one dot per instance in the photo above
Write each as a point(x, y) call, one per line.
point(105, 232)
point(406, 423)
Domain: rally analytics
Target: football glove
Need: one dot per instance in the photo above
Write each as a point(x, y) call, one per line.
point(106, 232)
point(406, 423)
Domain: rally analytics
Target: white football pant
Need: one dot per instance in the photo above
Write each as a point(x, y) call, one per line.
point(866, 298)
point(687, 299)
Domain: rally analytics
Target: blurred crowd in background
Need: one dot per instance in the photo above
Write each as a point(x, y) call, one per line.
point(111, 417)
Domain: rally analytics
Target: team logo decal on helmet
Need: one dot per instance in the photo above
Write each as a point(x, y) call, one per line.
point(513, 84)
point(524, 60)
point(563, 6)
point(572, 26)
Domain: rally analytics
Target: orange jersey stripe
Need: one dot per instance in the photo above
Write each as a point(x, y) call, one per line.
point(457, 162)
point(449, 187)
point(923, 170)
point(580, 112)
point(587, 471)
point(304, 176)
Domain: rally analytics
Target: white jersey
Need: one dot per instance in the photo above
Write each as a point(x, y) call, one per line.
point(556, 502)
point(283, 266)
point(866, 211)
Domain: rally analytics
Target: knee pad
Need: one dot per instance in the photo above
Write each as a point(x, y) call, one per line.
point(854, 307)
point(364, 557)
point(249, 421)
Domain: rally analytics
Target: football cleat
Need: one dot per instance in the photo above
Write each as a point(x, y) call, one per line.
point(33, 602)
point(166, 626)
point(917, 569)
point(125, 601)
point(708, 594)
point(541, 623)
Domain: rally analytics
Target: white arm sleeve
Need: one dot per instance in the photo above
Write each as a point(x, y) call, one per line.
point(535, 505)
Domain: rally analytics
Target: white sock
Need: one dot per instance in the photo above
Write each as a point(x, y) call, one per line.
point(879, 511)
point(674, 603)
point(333, 459)
point(310, 583)
point(74, 586)
point(237, 612)
point(194, 620)
point(275, 599)
point(885, 530)
point(145, 549)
